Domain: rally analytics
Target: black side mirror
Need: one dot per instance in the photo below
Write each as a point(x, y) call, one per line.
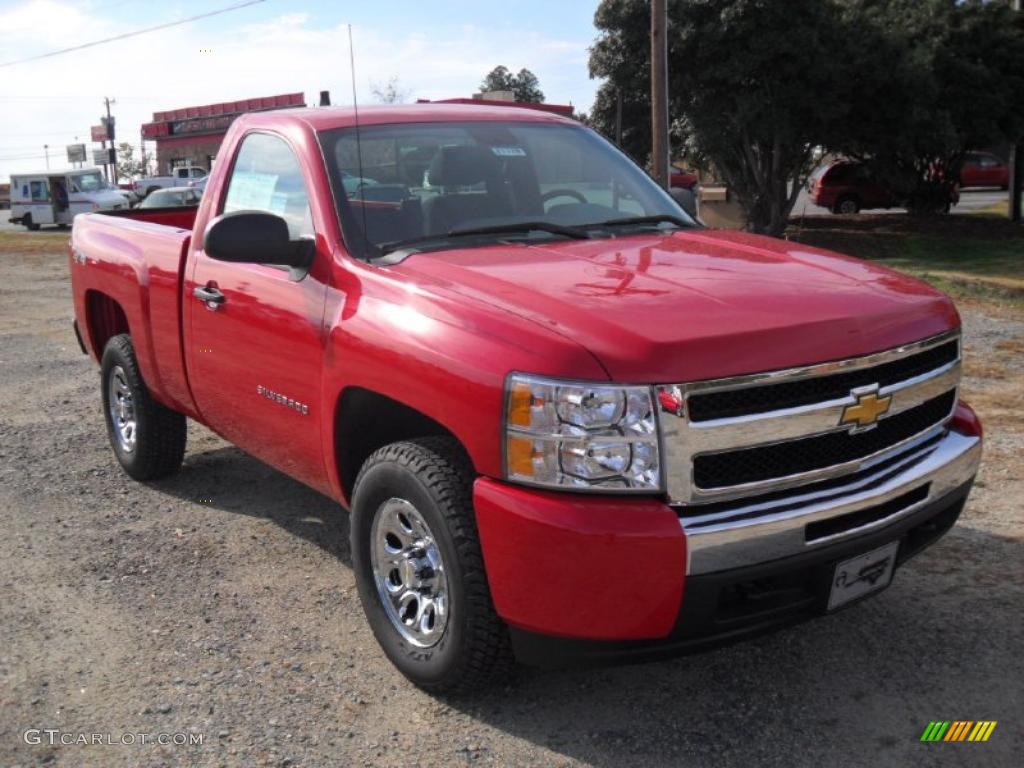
point(257, 237)
point(686, 199)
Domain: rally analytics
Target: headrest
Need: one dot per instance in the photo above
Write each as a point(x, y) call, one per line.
point(462, 166)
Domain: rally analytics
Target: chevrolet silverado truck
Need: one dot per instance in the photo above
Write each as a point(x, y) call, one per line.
point(567, 421)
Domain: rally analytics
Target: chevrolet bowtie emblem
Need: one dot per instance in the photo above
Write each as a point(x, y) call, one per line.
point(865, 412)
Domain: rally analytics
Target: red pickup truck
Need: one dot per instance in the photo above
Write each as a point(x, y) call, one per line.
point(567, 421)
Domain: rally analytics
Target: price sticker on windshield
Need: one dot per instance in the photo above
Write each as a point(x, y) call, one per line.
point(509, 151)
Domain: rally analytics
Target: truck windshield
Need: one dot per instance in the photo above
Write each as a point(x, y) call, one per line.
point(89, 182)
point(426, 186)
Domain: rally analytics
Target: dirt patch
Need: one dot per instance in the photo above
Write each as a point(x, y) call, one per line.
point(220, 603)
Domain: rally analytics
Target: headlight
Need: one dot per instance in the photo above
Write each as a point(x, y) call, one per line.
point(566, 434)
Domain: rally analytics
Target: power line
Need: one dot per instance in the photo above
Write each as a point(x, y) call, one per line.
point(132, 34)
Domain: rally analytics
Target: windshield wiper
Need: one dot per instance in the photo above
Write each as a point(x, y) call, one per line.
point(660, 218)
point(521, 227)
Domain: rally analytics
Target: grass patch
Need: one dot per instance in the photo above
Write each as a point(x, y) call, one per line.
point(966, 256)
point(53, 241)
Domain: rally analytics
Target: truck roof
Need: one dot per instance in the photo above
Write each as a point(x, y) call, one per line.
point(327, 118)
point(57, 172)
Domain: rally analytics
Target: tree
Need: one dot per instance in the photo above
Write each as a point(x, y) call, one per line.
point(754, 87)
point(962, 88)
point(127, 166)
point(527, 87)
point(389, 92)
point(498, 79)
point(523, 84)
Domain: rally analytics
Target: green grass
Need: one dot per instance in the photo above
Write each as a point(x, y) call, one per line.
point(966, 256)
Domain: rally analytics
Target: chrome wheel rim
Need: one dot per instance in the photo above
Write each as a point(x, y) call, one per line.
point(847, 206)
point(409, 573)
point(121, 404)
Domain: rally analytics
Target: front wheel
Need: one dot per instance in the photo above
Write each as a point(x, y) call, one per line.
point(30, 225)
point(847, 205)
point(419, 568)
point(148, 438)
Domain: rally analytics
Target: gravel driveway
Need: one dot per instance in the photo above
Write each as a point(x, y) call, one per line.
point(221, 604)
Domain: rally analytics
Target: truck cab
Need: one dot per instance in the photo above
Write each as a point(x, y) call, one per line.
point(184, 176)
point(55, 197)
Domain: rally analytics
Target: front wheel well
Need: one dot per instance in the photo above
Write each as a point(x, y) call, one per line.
point(365, 421)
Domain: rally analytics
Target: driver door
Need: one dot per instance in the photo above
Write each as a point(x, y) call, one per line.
point(255, 355)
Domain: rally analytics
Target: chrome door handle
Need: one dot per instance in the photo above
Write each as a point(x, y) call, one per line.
point(211, 297)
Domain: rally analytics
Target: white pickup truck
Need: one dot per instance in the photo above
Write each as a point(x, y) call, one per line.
point(188, 176)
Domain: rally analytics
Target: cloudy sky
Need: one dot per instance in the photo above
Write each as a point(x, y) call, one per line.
point(436, 49)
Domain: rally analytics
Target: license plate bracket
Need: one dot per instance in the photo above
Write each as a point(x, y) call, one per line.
point(861, 575)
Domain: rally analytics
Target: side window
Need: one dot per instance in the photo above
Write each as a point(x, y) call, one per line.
point(267, 177)
point(40, 190)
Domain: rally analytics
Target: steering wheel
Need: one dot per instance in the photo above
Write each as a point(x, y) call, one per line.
point(551, 194)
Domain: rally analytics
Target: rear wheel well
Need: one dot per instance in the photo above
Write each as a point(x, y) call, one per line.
point(365, 421)
point(104, 319)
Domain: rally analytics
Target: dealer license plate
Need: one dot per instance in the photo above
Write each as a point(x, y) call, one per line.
point(863, 574)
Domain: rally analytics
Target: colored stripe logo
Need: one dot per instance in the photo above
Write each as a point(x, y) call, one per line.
point(958, 730)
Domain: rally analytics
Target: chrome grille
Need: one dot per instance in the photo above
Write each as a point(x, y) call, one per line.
point(796, 437)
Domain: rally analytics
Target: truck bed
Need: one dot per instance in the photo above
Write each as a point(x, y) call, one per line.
point(180, 217)
point(134, 260)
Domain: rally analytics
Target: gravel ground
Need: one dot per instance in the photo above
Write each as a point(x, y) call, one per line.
point(221, 603)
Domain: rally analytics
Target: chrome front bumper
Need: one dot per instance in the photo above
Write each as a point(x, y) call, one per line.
point(751, 531)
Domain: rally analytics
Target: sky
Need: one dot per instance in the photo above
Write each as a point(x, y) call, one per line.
point(435, 48)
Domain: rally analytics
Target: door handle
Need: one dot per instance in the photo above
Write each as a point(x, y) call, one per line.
point(211, 297)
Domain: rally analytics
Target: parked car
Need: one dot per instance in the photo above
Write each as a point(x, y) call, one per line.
point(186, 176)
point(681, 179)
point(56, 197)
point(983, 169)
point(849, 187)
point(564, 418)
point(172, 198)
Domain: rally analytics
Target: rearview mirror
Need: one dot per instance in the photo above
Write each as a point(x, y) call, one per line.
point(257, 237)
point(686, 199)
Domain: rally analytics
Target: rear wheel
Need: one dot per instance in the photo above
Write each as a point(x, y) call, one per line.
point(148, 438)
point(419, 568)
point(847, 205)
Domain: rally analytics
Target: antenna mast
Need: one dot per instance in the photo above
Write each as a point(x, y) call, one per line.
point(355, 109)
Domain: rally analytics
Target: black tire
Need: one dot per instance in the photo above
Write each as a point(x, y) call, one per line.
point(436, 477)
point(30, 225)
point(159, 432)
point(848, 204)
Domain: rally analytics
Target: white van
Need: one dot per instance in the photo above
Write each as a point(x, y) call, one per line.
point(55, 197)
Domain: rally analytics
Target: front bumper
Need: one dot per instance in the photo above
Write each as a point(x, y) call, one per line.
point(597, 568)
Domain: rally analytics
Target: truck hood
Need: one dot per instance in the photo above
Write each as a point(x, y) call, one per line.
point(692, 305)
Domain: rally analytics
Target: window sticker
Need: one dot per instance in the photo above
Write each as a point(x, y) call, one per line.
point(509, 151)
point(278, 203)
point(251, 191)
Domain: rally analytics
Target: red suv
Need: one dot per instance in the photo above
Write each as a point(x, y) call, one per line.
point(848, 187)
point(983, 169)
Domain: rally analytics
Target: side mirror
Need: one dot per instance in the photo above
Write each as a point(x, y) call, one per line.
point(686, 199)
point(257, 237)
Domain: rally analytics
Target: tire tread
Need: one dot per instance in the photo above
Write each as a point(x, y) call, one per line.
point(442, 466)
point(160, 451)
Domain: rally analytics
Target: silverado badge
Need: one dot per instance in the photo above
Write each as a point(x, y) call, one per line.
point(865, 412)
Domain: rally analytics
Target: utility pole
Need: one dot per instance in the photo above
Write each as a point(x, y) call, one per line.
point(142, 152)
point(46, 150)
point(659, 92)
point(1016, 161)
point(110, 135)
